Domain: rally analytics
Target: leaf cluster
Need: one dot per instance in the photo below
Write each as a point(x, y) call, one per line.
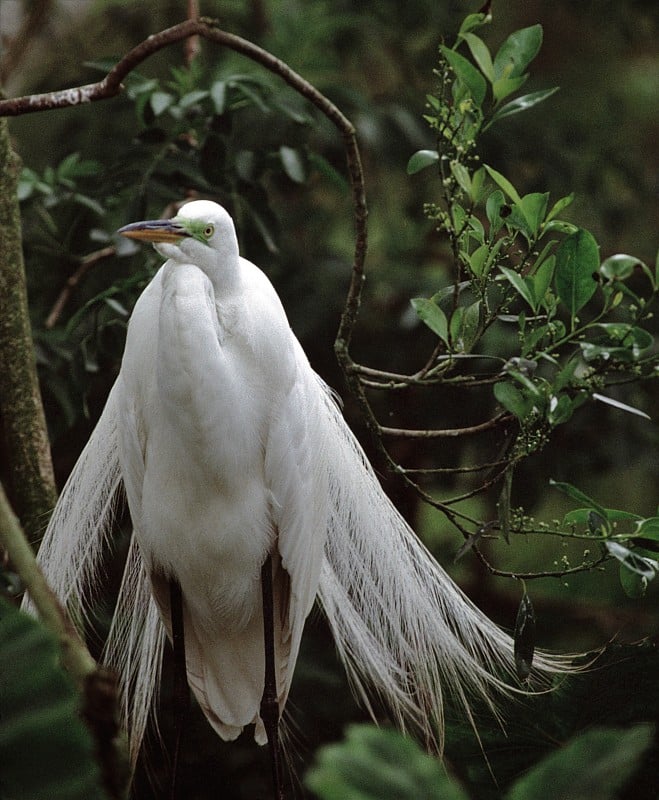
point(220, 132)
point(577, 325)
point(45, 750)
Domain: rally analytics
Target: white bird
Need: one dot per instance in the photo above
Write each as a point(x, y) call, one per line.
point(230, 448)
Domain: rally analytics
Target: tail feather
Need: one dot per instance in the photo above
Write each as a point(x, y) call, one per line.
point(71, 556)
point(134, 648)
point(406, 633)
point(78, 532)
point(403, 628)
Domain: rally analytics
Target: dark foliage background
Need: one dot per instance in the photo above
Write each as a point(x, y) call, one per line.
point(279, 168)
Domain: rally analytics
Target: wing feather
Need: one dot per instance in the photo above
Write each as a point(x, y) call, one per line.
point(296, 476)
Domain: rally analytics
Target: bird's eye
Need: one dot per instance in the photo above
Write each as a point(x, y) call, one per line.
point(209, 230)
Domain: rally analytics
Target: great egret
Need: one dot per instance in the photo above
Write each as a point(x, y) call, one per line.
point(231, 449)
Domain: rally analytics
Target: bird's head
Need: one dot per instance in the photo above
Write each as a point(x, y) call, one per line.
point(202, 233)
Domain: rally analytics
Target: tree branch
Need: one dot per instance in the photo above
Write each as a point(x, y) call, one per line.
point(33, 19)
point(97, 685)
point(446, 433)
point(75, 656)
point(72, 281)
point(111, 85)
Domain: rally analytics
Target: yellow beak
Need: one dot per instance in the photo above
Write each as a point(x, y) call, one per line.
point(156, 230)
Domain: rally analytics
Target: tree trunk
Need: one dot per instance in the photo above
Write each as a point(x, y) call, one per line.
point(31, 478)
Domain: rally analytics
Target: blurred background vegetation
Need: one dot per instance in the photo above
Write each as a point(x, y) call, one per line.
point(280, 169)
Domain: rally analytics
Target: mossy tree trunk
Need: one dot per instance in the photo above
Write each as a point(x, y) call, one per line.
point(30, 471)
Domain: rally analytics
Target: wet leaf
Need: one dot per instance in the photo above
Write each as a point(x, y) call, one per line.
point(422, 159)
point(524, 637)
point(577, 260)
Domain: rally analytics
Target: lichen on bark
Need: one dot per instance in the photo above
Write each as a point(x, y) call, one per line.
point(25, 438)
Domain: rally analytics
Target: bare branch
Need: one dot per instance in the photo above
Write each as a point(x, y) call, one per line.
point(73, 280)
point(75, 655)
point(192, 44)
point(447, 433)
point(35, 16)
point(111, 85)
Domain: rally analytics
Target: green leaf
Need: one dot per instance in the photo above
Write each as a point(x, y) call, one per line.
point(646, 567)
point(462, 176)
point(542, 279)
point(470, 23)
point(477, 184)
point(481, 54)
point(579, 496)
point(493, 207)
point(524, 637)
point(619, 267)
point(534, 207)
point(510, 397)
point(160, 101)
point(293, 164)
point(523, 288)
point(577, 261)
point(517, 52)
point(74, 167)
point(648, 529)
point(595, 764)
point(328, 171)
point(560, 226)
point(560, 409)
point(463, 326)
point(192, 98)
point(379, 764)
point(533, 338)
point(504, 184)
point(422, 159)
point(633, 584)
point(579, 516)
point(219, 96)
point(620, 341)
point(478, 259)
point(520, 104)
point(45, 750)
point(502, 87)
point(560, 205)
point(432, 315)
point(467, 74)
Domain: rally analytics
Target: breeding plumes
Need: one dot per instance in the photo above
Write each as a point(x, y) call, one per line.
point(229, 449)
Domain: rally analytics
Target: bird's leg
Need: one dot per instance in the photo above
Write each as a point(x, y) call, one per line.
point(181, 693)
point(269, 705)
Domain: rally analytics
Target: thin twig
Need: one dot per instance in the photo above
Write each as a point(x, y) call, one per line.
point(75, 655)
point(17, 47)
point(191, 46)
point(73, 280)
point(446, 433)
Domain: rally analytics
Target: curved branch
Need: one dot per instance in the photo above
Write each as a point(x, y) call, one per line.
point(111, 85)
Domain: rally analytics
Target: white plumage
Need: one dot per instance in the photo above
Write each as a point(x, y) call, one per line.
point(230, 447)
